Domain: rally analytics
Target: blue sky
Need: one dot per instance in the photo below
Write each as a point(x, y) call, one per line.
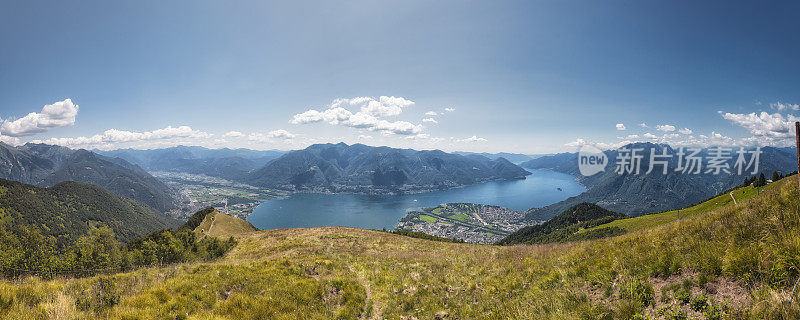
point(521, 76)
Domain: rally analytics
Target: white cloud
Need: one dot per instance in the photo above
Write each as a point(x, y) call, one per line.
point(431, 120)
point(715, 139)
point(784, 106)
point(14, 141)
point(233, 134)
point(280, 133)
point(364, 137)
point(449, 109)
point(431, 113)
point(113, 138)
point(670, 136)
point(419, 136)
point(473, 139)
point(620, 126)
point(686, 131)
point(601, 145)
point(368, 117)
point(630, 137)
point(650, 136)
point(665, 128)
point(643, 125)
point(56, 115)
point(271, 136)
point(769, 127)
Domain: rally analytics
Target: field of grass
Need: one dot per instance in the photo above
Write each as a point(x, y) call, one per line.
point(218, 224)
point(427, 218)
point(733, 262)
point(656, 219)
point(460, 217)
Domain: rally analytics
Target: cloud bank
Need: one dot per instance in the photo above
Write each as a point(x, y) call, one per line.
point(369, 116)
point(112, 138)
point(56, 115)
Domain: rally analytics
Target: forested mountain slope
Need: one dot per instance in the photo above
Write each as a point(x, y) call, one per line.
point(68, 210)
point(46, 165)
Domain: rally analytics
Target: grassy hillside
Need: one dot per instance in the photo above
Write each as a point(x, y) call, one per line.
point(656, 219)
point(733, 262)
point(567, 226)
point(217, 224)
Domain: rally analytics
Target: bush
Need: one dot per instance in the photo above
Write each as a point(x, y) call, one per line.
point(672, 313)
point(683, 296)
point(699, 302)
point(636, 296)
point(713, 312)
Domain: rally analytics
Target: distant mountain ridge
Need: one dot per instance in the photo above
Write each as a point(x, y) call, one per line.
point(364, 169)
point(512, 157)
point(46, 165)
point(645, 193)
point(232, 164)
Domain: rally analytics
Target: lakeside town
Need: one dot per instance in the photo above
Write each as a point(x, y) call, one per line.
point(198, 191)
point(474, 223)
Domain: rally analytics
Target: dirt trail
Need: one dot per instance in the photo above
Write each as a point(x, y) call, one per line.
point(375, 308)
point(734, 199)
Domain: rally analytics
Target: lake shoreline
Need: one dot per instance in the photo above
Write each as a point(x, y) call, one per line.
point(377, 211)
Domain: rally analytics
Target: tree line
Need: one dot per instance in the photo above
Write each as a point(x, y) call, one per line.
point(761, 179)
point(28, 251)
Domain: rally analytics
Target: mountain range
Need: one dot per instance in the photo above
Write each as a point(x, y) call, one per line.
point(364, 169)
point(516, 158)
point(46, 165)
point(636, 194)
point(232, 164)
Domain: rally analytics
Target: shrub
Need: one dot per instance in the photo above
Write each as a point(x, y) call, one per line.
point(635, 295)
point(683, 296)
point(672, 313)
point(713, 312)
point(699, 302)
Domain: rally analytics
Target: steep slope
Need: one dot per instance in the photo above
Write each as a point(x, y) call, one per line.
point(45, 165)
point(737, 261)
point(211, 223)
point(658, 218)
point(360, 168)
point(119, 177)
point(69, 209)
point(22, 166)
point(564, 226)
point(636, 194)
point(232, 164)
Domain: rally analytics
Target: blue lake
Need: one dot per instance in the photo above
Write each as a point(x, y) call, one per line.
point(384, 211)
